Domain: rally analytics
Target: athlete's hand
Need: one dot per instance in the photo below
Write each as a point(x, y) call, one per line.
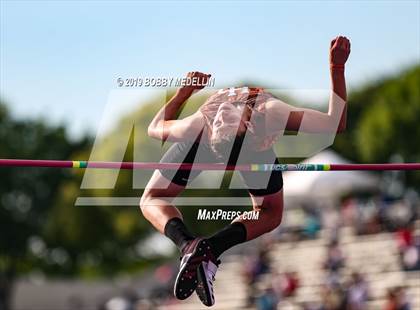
point(195, 81)
point(339, 50)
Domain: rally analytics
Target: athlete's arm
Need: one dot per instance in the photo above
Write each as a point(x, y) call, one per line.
point(165, 126)
point(282, 116)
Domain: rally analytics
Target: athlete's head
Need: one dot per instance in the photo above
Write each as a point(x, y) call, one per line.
point(231, 121)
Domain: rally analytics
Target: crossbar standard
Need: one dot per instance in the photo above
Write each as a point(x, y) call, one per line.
point(203, 166)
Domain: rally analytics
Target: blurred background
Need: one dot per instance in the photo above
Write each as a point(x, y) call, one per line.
point(349, 240)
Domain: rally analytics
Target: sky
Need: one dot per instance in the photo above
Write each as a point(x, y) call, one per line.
point(60, 60)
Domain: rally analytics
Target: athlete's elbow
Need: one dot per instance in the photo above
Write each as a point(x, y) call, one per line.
point(153, 132)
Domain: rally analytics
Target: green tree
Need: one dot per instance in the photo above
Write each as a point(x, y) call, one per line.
point(27, 194)
point(384, 119)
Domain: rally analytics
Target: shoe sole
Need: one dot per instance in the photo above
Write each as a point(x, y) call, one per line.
point(203, 287)
point(185, 286)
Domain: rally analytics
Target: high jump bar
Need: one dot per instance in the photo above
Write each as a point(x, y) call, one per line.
point(203, 166)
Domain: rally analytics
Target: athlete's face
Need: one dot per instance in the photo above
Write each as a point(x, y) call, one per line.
point(229, 120)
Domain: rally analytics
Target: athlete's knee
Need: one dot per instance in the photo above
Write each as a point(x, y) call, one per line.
point(271, 210)
point(273, 215)
point(152, 198)
point(276, 217)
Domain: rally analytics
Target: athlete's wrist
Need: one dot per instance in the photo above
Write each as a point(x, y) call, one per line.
point(337, 67)
point(184, 92)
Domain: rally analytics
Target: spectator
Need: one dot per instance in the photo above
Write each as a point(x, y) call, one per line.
point(411, 257)
point(312, 225)
point(286, 284)
point(349, 211)
point(290, 284)
point(357, 293)
point(397, 300)
point(331, 220)
point(402, 299)
point(367, 221)
point(399, 214)
point(262, 263)
point(267, 300)
point(310, 306)
point(404, 237)
point(391, 300)
point(253, 268)
point(335, 258)
point(332, 298)
point(277, 284)
point(333, 280)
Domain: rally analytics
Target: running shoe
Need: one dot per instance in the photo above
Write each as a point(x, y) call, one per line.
point(195, 252)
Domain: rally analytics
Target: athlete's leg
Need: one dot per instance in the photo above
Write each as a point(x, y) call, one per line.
point(266, 191)
point(270, 215)
point(242, 229)
point(270, 208)
point(156, 205)
point(156, 202)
